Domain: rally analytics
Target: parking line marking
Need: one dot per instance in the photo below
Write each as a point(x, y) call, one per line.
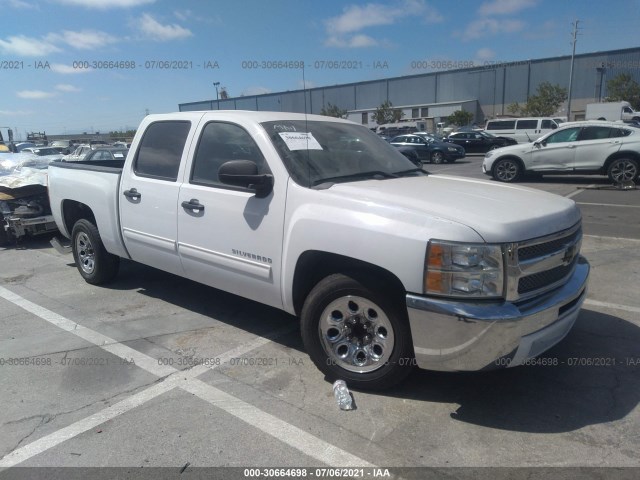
point(576, 192)
point(612, 238)
point(43, 444)
point(614, 306)
point(608, 205)
point(293, 436)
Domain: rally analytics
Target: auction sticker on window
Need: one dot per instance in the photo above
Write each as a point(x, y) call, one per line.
point(300, 141)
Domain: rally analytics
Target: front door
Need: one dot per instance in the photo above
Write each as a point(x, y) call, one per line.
point(234, 241)
point(556, 152)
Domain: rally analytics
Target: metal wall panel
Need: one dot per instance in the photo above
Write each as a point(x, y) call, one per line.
point(269, 103)
point(370, 93)
point(516, 82)
point(246, 103)
point(343, 97)
point(412, 90)
point(196, 106)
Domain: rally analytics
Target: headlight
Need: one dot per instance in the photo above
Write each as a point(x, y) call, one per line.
point(464, 270)
point(452, 149)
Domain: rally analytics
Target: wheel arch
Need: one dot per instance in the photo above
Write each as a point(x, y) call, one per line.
point(508, 157)
point(620, 154)
point(314, 265)
point(72, 211)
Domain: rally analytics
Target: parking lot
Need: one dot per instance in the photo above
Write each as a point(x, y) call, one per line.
point(157, 371)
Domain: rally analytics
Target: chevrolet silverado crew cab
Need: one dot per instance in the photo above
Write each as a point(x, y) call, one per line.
point(386, 266)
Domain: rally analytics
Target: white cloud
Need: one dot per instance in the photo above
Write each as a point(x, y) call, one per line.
point(483, 27)
point(344, 30)
point(67, 69)
point(82, 40)
point(505, 7)
point(64, 87)
point(22, 5)
point(355, 41)
point(15, 113)
point(27, 46)
point(155, 30)
point(34, 94)
point(485, 54)
point(105, 4)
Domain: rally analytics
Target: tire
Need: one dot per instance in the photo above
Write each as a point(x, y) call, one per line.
point(507, 170)
point(95, 264)
point(5, 238)
point(623, 170)
point(354, 332)
point(437, 157)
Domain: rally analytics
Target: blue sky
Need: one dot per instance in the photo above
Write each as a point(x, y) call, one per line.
point(231, 36)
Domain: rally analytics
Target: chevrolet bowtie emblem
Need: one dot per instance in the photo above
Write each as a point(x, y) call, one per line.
point(569, 254)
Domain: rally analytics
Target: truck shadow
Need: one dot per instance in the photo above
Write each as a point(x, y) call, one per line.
point(591, 377)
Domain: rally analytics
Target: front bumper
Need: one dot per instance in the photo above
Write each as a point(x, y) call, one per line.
point(458, 335)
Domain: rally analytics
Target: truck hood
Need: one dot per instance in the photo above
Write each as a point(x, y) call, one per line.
point(497, 212)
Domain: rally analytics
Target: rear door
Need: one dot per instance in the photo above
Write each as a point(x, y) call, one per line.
point(234, 241)
point(149, 195)
point(594, 146)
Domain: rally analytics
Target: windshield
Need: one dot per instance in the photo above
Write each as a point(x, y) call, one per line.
point(486, 134)
point(320, 153)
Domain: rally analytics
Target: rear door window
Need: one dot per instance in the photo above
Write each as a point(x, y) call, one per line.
point(527, 125)
point(161, 149)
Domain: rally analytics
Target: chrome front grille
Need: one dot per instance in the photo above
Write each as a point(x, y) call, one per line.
point(542, 264)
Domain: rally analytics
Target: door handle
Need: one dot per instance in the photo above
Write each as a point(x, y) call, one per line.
point(193, 205)
point(132, 193)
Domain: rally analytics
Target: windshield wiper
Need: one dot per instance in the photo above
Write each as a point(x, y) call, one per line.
point(373, 174)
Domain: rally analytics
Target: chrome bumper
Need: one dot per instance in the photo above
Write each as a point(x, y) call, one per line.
point(457, 335)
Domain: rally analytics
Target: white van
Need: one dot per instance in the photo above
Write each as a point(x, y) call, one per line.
point(523, 130)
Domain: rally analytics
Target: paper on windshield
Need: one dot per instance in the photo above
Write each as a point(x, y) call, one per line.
point(300, 141)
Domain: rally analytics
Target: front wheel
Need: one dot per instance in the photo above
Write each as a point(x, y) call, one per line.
point(437, 157)
point(95, 264)
point(623, 170)
point(354, 332)
point(507, 170)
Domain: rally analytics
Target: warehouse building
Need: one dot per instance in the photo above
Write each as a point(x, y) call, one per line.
point(486, 91)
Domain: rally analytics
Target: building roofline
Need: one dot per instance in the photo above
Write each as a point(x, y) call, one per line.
point(418, 75)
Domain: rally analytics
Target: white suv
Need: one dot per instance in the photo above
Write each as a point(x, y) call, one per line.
point(583, 148)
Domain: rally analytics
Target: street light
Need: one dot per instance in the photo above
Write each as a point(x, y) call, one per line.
point(216, 84)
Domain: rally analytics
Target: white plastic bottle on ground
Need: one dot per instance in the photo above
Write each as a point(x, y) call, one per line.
point(343, 397)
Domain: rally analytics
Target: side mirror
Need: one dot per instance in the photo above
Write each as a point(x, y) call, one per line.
point(244, 173)
point(539, 144)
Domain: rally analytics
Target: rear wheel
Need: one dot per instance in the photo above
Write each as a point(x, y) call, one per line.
point(353, 331)
point(623, 170)
point(95, 264)
point(507, 170)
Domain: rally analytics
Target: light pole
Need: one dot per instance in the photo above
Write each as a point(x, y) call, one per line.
point(216, 84)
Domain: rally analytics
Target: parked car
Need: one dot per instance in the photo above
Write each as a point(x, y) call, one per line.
point(78, 154)
point(523, 130)
point(429, 150)
point(22, 145)
point(479, 141)
point(50, 153)
point(106, 154)
point(584, 148)
point(66, 146)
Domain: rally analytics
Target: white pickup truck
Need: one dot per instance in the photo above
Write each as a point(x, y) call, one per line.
point(387, 266)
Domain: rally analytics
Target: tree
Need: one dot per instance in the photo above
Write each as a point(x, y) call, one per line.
point(460, 118)
point(624, 88)
point(333, 111)
point(224, 94)
point(546, 101)
point(514, 108)
point(385, 113)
